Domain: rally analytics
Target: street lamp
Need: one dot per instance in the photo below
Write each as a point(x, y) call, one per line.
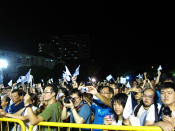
point(3, 64)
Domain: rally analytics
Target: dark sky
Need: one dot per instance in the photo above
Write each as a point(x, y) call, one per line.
point(113, 38)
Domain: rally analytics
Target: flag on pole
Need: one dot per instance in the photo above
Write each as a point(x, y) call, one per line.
point(123, 80)
point(30, 79)
point(67, 71)
point(51, 80)
point(66, 76)
point(19, 80)
point(128, 85)
point(89, 78)
point(139, 76)
point(127, 111)
point(28, 76)
point(77, 71)
point(10, 83)
point(159, 68)
point(109, 77)
point(22, 79)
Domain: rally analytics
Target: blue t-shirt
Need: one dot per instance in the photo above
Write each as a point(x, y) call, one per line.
point(84, 111)
point(100, 110)
point(14, 108)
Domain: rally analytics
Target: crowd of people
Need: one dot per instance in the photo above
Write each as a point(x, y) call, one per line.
point(153, 102)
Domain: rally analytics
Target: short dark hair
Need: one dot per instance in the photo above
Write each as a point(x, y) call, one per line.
point(54, 88)
point(20, 92)
point(166, 85)
point(102, 87)
point(75, 91)
point(64, 90)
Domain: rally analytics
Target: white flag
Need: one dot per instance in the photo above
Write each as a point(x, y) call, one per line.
point(89, 78)
point(19, 80)
point(123, 80)
point(28, 77)
point(128, 108)
point(77, 71)
point(139, 76)
point(23, 79)
point(67, 71)
point(109, 77)
point(128, 85)
point(160, 68)
point(66, 76)
point(10, 83)
point(51, 80)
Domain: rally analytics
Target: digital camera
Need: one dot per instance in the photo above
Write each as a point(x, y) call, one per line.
point(166, 111)
point(68, 99)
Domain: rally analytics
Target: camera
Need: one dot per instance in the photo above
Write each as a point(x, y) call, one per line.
point(167, 111)
point(68, 99)
point(84, 89)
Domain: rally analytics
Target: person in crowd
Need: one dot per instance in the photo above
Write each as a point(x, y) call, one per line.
point(5, 101)
point(149, 98)
point(101, 105)
point(17, 99)
point(118, 103)
point(22, 114)
point(166, 111)
point(52, 113)
point(62, 93)
point(75, 108)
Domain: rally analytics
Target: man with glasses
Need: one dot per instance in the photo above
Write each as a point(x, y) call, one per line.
point(148, 98)
point(52, 112)
point(77, 109)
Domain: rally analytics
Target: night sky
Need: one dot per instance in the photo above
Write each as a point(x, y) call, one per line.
point(118, 40)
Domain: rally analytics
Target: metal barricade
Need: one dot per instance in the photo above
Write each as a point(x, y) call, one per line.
point(95, 126)
point(11, 120)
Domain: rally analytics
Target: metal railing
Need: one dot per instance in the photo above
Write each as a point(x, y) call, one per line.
point(95, 126)
point(6, 121)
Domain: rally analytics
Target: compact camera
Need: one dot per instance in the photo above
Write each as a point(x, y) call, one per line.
point(68, 99)
point(166, 111)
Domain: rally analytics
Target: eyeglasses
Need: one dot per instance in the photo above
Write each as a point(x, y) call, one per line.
point(150, 97)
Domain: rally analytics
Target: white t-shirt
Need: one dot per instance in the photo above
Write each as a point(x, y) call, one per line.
point(141, 115)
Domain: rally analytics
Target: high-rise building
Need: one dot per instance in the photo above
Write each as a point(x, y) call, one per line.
point(66, 47)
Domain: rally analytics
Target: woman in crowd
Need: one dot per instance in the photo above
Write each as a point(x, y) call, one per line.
point(118, 103)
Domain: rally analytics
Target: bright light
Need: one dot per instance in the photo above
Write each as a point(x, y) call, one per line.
point(93, 80)
point(127, 77)
point(3, 63)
